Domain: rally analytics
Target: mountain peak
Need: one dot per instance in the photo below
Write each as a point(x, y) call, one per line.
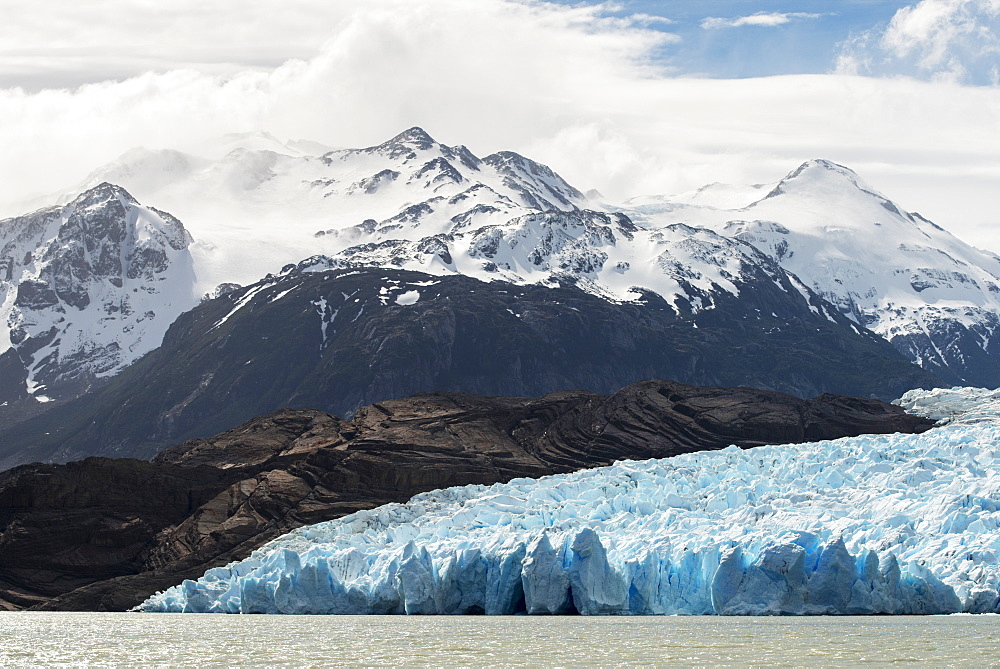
point(555, 192)
point(822, 164)
point(104, 192)
point(414, 135)
point(405, 144)
point(501, 158)
point(825, 175)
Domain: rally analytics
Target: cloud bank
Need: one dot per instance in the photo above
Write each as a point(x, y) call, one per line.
point(569, 86)
point(949, 40)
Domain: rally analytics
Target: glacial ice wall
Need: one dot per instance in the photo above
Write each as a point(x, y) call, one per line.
point(953, 406)
point(903, 524)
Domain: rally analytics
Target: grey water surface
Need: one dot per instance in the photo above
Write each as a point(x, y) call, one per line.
point(133, 639)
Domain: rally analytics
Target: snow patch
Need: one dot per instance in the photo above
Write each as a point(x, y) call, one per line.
point(242, 302)
point(408, 298)
point(282, 294)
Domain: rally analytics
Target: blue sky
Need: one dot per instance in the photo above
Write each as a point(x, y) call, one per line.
point(804, 44)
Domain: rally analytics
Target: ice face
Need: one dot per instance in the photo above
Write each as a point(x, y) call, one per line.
point(966, 406)
point(903, 524)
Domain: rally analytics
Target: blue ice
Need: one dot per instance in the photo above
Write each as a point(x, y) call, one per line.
point(895, 524)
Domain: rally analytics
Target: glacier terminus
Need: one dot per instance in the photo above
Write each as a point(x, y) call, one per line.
point(877, 524)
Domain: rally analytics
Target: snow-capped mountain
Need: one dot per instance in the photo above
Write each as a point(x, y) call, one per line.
point(414, 203)
point(87, 288)
point(934, 297)
point(264, 205)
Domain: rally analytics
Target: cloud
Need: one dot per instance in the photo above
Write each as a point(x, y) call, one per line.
point(486, 69)
point(651, 20)
point(953, 40)
point(758, 19)
point(53, 43)
point(566, 85)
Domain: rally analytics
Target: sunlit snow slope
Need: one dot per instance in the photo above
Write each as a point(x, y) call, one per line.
point(263, 205)
point(934, 297)
point(870, 524)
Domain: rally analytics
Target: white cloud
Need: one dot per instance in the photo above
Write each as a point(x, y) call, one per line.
point(954, 40)
point(758, 19)
point(651, 20)
point(491, 69)
point(564, 85)
point(58, 43)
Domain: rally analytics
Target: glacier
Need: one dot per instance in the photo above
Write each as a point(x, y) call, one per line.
point(877, 524)
point(954, 406)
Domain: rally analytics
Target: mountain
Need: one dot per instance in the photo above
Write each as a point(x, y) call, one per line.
point(104, 534)
point(263, 205)
point(338, 339)
point(413, 203)
point(85, 290)
point(90, 286)
point(934, 297)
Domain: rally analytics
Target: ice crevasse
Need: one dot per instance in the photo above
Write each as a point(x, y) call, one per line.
point(897, 524)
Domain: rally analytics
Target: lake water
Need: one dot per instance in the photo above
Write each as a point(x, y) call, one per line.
point(129, 639)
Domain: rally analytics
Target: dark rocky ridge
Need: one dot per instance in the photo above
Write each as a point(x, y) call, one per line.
point(104, 534)
point(338, 340)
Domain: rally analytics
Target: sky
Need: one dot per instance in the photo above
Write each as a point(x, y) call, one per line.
point(631, 97)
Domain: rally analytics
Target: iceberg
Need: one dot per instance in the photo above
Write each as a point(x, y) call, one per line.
point(878, 524)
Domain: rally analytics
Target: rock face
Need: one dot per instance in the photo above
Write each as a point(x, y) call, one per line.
point(338, 340)
point(65, 526)
point(104, 534)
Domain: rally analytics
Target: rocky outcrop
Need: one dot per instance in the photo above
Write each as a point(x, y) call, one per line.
point(65, 526)
point(104, 534)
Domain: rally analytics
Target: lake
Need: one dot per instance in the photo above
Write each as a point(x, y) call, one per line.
point(30, 638)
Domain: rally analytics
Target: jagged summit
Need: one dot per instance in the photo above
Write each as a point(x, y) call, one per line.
point(416, 135)
point(271, 209)
point(514, 167)
point(822, 164)
point(88, 288)
point(103, 193)
point(510, 162)
point(406, 143)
